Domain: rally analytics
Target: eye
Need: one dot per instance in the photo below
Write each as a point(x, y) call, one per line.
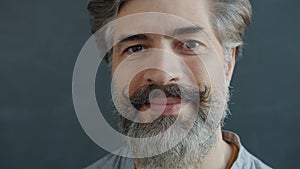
point(190, 44)
point(190, 47)
point(135, 49)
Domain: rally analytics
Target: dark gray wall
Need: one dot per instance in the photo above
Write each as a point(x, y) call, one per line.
point(40, 41)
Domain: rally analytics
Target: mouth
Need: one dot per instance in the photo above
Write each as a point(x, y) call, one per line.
point(164, 106)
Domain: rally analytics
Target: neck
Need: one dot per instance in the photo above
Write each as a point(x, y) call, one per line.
point(217, 158)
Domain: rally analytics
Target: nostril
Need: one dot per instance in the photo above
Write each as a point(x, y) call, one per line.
point(174, 79)
point(149, 81)
point(159, 76)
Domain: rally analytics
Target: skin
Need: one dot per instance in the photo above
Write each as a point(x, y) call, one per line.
point(181, 66)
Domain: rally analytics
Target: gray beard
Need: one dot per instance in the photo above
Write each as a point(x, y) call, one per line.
point(191, 150)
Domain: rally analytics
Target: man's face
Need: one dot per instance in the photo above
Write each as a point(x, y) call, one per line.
point(151, 49)
point(159, 57)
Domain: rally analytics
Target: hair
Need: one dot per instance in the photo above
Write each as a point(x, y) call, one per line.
point(229, 18)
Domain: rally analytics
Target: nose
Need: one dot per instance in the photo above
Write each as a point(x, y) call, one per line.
point(164, 68)
point(161, 77)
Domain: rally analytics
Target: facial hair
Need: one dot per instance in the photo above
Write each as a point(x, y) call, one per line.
point(210, 113)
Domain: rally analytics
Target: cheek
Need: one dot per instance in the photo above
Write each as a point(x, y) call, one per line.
point(199, 73)
point(135, 82)
point(208, 71)
point(119, 77)
point(114, 63)
point(126, 77)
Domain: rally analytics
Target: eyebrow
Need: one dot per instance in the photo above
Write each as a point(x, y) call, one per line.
point(187, 30)
point(129, 38)
point(136, 37)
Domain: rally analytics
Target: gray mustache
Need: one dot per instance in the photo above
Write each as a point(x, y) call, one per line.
point(187, 93)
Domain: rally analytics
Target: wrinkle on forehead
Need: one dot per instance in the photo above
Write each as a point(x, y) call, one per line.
point(195, 11)
point(187, 9)
point(153, 22)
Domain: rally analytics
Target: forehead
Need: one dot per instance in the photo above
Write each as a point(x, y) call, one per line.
point(192, 10)
point(162, 16)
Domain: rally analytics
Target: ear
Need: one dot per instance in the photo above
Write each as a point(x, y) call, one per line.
point(230, 66)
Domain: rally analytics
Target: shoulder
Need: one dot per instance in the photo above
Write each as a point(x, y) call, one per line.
point(244, 159)
point(248, 161)
point(112, 161)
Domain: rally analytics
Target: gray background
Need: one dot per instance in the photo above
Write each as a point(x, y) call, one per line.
point(40, 41)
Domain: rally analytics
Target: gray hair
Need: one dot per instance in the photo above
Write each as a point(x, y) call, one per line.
point(230, 19)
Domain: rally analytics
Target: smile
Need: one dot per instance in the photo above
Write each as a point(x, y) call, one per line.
point(165, 106)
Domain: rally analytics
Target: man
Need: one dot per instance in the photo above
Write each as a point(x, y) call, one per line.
point(173, 61)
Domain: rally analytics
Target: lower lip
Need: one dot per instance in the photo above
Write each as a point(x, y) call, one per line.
point(166, 109)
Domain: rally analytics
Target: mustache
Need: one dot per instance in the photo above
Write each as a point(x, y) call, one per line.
point(184, 92)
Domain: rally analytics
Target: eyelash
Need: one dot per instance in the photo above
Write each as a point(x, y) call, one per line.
point(132, 47)
point(182, 45)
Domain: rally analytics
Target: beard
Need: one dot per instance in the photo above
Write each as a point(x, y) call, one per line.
point(208, 112)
